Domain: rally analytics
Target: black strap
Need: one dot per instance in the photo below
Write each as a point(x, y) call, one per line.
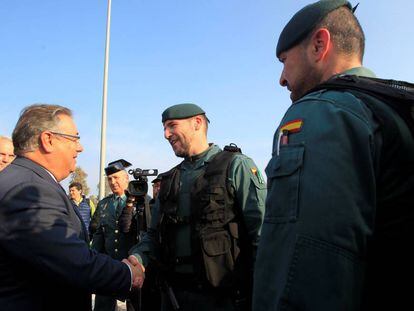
point(232, 148)
point(222, 160)
point(399, 95)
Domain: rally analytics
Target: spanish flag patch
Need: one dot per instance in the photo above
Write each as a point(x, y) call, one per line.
point(259, 176)
point(292, 126)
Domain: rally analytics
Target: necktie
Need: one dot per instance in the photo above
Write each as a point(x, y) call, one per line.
point(118, 206)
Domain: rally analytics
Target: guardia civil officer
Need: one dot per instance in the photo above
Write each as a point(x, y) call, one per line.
point(156, 184)
point(339, 211)
point(111, 237)
point(206, 221)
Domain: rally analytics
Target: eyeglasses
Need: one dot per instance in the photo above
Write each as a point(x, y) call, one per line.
point(73, 138)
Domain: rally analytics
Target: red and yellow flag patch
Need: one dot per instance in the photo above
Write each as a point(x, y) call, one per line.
point(292, 126)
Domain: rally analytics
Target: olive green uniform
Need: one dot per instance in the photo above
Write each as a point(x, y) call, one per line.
point(339, 214)
point(249, 188)
point(109, 238)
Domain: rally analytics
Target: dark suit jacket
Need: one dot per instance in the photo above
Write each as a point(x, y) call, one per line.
point(45, 261)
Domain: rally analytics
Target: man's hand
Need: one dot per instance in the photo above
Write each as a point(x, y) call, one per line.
point(138, 271)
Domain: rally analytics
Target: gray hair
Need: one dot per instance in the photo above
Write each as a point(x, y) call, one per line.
point(34, 120)
point(5, 138)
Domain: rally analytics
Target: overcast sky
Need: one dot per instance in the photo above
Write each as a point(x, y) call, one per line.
point(219, 54)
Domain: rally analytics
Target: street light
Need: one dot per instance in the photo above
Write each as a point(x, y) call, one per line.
point(104, 106)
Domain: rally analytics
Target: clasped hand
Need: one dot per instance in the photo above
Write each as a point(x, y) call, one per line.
point(138, 271)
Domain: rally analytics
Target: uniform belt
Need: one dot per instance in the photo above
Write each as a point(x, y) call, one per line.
point(178, 220)
point(185, 260)
point(188, 282)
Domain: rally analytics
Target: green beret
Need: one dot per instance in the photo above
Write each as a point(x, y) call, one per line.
point(304, 21)
point(181, 111)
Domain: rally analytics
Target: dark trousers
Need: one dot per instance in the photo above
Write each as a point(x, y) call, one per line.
point(151, 298)
point(197, 301)
point(103, 303)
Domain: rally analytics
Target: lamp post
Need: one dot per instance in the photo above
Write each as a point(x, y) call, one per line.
point(104, 106)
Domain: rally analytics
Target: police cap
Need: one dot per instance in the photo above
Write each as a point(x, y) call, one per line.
point(116, 166)
point(304, 21)
point(158, 178)
point(182, 111)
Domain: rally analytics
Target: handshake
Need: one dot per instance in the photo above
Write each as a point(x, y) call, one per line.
point(138, 271)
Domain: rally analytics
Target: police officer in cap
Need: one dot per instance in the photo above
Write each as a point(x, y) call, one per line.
point(156, 185)
point(110, 237)
point(339, 212)
point(206, 221)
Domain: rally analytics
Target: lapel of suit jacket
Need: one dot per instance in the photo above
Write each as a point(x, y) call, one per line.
point(43, 173)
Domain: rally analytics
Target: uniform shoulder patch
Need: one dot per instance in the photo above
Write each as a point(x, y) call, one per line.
point(257, 174)
point(293, 126)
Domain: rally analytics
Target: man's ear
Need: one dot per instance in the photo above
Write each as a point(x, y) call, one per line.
point(46, 142)
point(320, 44)
point(197, 122)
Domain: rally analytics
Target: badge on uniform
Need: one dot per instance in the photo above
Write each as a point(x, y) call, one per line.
point(285, 130)
point(256, 173)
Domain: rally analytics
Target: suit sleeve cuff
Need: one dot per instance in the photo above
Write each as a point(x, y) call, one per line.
point(131, 276)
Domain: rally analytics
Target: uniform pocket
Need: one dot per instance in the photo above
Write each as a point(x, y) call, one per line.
point(218, 260)
point(283, 172)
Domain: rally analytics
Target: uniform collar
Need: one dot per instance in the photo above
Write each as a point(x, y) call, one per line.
point(122, 197)
point(200, 159)
point(360, 71)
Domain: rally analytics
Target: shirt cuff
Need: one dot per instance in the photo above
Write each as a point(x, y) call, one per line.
point(130, 272)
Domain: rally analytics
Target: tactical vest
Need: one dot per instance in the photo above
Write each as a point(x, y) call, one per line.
point(399, 95)
point(219, 242)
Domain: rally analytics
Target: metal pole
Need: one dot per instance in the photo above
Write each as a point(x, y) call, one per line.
point(104, 104)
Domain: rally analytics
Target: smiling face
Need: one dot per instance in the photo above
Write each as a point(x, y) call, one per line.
point(180, 134)
point(67, 148)
point(118, 182)
point(75, 194)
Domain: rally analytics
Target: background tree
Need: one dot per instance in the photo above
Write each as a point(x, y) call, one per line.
point(79, 176)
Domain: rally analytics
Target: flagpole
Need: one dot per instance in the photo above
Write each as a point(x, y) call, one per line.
point(104, 106)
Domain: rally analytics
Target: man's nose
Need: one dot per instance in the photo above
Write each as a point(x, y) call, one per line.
point(167, 133)
point(282, 79)
point(79, 148)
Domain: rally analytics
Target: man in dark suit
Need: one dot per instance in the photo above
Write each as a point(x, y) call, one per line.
point(45, 262)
